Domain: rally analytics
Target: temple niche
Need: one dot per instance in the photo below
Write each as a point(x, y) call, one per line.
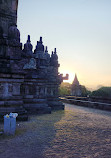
point(29, 80)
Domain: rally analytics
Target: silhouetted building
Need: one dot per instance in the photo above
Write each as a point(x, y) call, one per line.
point(76, 87)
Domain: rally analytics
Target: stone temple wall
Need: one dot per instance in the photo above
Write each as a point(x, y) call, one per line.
point(29, 80)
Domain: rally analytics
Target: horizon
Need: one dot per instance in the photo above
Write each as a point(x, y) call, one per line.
point(90, 89)
point(80, 30)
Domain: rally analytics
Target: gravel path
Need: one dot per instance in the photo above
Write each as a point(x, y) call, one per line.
point(77, 132)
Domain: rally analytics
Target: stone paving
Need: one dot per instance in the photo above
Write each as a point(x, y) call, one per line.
point(77, 132)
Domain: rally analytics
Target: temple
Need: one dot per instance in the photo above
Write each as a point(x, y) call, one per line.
point(29, 80)
point(76, 88)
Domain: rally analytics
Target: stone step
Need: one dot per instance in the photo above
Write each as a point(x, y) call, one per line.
point(22, 113)
point(11, 109)
point(37, 108)
point(11, 103)
point(37, 101)
point(41, 105)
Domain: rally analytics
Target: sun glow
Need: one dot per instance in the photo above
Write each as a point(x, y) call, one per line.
point(71, 76)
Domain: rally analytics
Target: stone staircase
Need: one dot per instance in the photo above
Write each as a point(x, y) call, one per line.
point(22, 113)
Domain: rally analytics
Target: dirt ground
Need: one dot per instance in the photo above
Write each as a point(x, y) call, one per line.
point(76, 132)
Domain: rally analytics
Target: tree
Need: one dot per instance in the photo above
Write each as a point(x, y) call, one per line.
point(85, 92)
point(65, 89)
point(102, 92)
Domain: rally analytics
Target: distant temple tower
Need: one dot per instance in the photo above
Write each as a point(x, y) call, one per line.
point(76, 87)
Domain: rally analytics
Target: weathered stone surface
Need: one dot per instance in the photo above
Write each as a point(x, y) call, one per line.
point(30, 65)
point(28, 80)
point(90, 104)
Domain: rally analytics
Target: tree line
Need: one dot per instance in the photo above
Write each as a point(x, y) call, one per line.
point(65, 90)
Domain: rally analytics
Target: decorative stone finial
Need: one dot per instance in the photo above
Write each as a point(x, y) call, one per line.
point(41, 39)
point(28, 46)
point(55, 51)
point(54, 59)
point(46, 50)
point(40, 46)
point(14, 33)
point(28, 39)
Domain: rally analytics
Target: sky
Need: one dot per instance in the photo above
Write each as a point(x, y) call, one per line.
point(79, 29)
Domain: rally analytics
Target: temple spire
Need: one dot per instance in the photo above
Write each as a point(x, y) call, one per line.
point(75, 82)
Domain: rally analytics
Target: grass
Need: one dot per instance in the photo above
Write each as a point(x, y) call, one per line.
point(41, 123)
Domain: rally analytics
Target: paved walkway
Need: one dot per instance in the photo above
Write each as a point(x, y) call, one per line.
point(77, 132)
